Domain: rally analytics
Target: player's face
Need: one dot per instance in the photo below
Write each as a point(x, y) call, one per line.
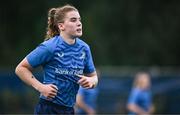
point(145, 81)
point(72, 25)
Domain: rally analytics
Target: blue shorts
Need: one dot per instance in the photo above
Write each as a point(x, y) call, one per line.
point(47, 107)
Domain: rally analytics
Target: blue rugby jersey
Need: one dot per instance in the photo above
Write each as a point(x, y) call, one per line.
point(61, 62)
point(89, 97)
point(141, 98)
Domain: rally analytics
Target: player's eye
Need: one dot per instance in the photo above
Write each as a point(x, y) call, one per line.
point(73, 19)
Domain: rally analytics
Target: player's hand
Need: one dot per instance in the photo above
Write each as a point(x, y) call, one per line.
point(86, 82)
point(48, 90)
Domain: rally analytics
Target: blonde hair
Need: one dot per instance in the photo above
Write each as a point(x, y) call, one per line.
point(55, 16)
point(138, 82)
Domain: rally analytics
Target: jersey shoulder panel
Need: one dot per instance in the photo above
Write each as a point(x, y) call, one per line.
point(82, 43)
point(51, 44)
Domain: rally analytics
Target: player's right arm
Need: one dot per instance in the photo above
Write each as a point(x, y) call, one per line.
point(81, 104)
point(24, 72)
point(136, 109)
point(133, 103)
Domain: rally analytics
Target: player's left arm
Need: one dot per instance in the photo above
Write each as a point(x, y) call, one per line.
point(88, 80)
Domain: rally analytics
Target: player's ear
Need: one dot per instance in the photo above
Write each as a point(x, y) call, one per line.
point(61, 26)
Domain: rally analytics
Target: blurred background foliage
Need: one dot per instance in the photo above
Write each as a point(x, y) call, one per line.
point(120, 32)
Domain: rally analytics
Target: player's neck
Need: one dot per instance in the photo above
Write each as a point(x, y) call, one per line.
point(68, 39)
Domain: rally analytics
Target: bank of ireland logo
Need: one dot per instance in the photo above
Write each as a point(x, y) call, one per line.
point(83, 55)
point(60, 54)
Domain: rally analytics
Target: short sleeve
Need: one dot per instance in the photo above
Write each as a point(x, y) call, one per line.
point(80, 91)
point(89, 65)
point(133, 98)
point(39, 56)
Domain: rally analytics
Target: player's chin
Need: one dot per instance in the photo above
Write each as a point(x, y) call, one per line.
point(79, 33)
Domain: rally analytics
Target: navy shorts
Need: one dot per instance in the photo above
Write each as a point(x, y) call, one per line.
point(47, 107)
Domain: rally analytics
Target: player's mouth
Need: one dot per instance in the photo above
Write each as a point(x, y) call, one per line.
point(79, 30)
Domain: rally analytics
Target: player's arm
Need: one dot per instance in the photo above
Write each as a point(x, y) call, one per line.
point(80, 103)
point(24, 72)
point(88, 80)
point(151, 109)
point(136, 109)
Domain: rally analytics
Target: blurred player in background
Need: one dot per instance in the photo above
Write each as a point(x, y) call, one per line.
point(140, 99)
point(86, 103)
point(66, 61)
